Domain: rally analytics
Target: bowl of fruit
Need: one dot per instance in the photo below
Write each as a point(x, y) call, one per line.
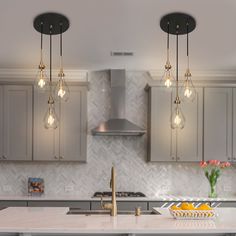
point(187, 211)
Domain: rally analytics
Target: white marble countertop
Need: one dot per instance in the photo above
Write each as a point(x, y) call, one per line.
point(54, 220)
point(78, 198)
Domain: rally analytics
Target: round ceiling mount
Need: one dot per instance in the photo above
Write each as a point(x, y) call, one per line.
point(177, 23)
point(49, 19)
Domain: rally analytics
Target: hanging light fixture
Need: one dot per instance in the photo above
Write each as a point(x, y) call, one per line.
point(61, 89)
point(54, 24)
point(188, 90)
point(50, 119)
point(177, 118)
point(168, 79)
point(41, 78)
point(177, 24)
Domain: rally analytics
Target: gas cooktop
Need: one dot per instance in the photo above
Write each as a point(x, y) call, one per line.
point(119, 194)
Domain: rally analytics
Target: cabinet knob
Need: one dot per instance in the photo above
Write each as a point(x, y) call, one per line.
point(55, 157)
point(173, 158)
point(4, 157)
point(234, 158)
point(229, 158)
point(61, 157)
point(178, 158)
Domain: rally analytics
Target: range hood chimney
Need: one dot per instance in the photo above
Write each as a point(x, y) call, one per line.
point(117, 124)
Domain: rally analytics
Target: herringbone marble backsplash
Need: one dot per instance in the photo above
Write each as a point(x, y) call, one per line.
point(128, 154)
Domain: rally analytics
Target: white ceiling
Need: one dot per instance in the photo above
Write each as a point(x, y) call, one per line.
point(101, 26)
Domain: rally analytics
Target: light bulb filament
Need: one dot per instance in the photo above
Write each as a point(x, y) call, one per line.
point(50, 120)
point(41, 83)
point(177, 120)
point(61, 92)
point(168, 83)
point(187, 92)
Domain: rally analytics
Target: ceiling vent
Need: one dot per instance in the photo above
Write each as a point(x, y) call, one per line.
point(118, 54)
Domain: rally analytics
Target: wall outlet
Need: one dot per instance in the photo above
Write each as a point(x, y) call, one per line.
point(227, 188)
point(69, 188)
point(7, 188)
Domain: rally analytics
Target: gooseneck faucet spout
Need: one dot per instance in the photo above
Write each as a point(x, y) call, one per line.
point(113, 205)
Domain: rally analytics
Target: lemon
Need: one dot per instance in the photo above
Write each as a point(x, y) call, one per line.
point(187, 206)
point(175, 208)
point(204, 207)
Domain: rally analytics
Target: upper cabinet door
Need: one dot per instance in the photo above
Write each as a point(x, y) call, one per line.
point(17, 122)
point(1, 123)
point(218, 123)
point(73, 125)
point(46, 141)
point(234, 126)
point(162, 139)
point(189, 141)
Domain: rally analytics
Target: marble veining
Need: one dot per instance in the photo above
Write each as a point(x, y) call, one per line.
point(128, 154)
point(54, 220)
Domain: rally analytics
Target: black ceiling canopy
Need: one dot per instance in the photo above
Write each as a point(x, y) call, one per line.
point(177, 20)
point(59, 23)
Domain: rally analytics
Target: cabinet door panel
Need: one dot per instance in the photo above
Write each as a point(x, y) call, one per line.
point(233, 158)
point(217, 123)
point(1, 122)
point(122, 205)
point(189, 145)
point(18, 122)
point(46, 144)
point(73, 116)
point(162, 140)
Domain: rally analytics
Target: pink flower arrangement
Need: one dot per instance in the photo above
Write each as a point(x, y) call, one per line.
point(214, 163)
point(212, 169)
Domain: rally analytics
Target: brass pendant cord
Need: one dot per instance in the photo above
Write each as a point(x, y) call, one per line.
point(41, 44)
point(61, 62)
point(50, 63)
point(177, 63)
point(188, 44)
point(168, 41)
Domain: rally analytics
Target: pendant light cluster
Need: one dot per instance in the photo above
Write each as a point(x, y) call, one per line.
point(51, 24)
point(178, 24)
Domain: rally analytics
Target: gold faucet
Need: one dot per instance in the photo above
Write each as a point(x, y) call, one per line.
point(113, 205)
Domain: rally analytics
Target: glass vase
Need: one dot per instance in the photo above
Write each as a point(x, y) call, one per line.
point(212, 193)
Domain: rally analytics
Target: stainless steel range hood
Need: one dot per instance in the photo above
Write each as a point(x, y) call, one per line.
point(118, 125)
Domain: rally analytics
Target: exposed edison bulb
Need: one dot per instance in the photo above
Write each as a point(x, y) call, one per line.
point(188, 90)
point(167, 79)
point(51, 120)
point(62, 90)
point(177, 118)
point(41, 78)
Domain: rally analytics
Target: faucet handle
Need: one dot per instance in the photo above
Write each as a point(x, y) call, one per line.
point(105, 206)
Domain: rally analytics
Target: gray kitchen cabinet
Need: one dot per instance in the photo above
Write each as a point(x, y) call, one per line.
point(218, 123)
point(84, 205)
point(1, 122)
point(17, 122)
point(189, 139)
point(162, 139)
point(73, 126)
point(13, 204)
point(233, 158)
point(166, 144)
point(45, 140)
point(122, 205)
point(69, 141)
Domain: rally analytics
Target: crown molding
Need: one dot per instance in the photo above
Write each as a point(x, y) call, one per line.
point(30, 75)
point(200, 75)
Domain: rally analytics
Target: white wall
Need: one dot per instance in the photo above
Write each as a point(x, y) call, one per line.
point(128, 154)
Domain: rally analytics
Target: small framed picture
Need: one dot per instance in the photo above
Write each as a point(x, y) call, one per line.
point(35, 186)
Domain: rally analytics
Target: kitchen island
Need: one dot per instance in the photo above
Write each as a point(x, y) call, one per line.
point(28, 221)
